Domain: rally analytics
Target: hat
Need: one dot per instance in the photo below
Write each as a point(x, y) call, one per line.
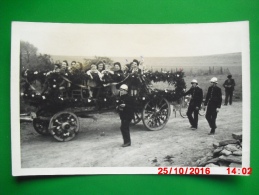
point(214, 80)
point(194, 81)
point(124, 87)
point(229, 76)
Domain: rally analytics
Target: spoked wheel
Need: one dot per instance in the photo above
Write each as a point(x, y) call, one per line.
point(64, 126)
point(202, 110)
point(136, 119)
point(41, 126)
point(184, 106)
point(156, 114)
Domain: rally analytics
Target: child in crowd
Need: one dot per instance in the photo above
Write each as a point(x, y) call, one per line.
point(134, 81)
point(94, 81)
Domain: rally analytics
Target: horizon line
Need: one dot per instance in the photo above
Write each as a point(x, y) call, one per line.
point(144, 56)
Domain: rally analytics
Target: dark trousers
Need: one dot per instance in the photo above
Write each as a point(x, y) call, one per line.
point(193, 119)
point(125, 131)
point(229, 95)
point(211, 116)
point(95, 91)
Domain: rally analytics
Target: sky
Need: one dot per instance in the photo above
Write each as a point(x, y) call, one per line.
point(149, 40)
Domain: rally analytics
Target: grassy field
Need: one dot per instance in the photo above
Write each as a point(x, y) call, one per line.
point(194, 63)
point(204, 83)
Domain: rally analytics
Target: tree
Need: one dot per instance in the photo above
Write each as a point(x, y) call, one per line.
point(45, 62)
point(28, 55)
point(30, 59)
point(221, 70)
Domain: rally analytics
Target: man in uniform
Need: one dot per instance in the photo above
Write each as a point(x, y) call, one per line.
point(195, 103)
point(229, 85)
point(126, 113)
point(213, 100)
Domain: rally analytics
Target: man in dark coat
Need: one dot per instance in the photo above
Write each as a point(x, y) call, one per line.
point(126, 112)
point(195, 104)
point(213, 100)
point(229, 85)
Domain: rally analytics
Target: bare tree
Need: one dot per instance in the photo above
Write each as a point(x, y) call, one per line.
point(28, 54)
point(30, 59)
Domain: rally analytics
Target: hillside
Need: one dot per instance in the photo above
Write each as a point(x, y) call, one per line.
point(231, 59)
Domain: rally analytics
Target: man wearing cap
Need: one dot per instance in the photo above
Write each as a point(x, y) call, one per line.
point(229, 85)
point(195, 103)
point(213, 102)
point(126, 113)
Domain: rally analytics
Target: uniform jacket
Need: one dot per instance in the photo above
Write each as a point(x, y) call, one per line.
point(197, 96)
point(127, 112)
point(133, 80)
point(230, 83)
point(214, 96)
point(118, 76)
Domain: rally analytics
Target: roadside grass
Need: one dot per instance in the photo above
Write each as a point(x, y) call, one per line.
point(204, 83)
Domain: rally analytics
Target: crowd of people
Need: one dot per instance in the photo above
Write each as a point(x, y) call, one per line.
point(95, 78)
point(100, 75)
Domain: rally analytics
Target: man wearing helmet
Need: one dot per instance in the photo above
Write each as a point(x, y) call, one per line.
point(126, 113)
point(229, 85)
point(195, 104)
point(213, 100)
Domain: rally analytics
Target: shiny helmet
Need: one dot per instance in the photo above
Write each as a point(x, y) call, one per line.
point(124, 87)
point(214, 80)
point(194, 81)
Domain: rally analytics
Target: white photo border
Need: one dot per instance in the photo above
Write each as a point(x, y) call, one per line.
point(17, 170)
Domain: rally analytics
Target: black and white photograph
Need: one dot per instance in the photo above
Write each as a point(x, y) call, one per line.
point(129, 98)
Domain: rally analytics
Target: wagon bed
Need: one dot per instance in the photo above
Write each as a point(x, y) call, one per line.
point(57, 113)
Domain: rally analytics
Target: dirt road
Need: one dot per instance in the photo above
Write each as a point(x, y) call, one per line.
point(98, 143)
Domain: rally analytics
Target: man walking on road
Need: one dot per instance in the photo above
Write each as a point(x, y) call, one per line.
point(195, 103)
point(213, 100)
point(229, 85)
